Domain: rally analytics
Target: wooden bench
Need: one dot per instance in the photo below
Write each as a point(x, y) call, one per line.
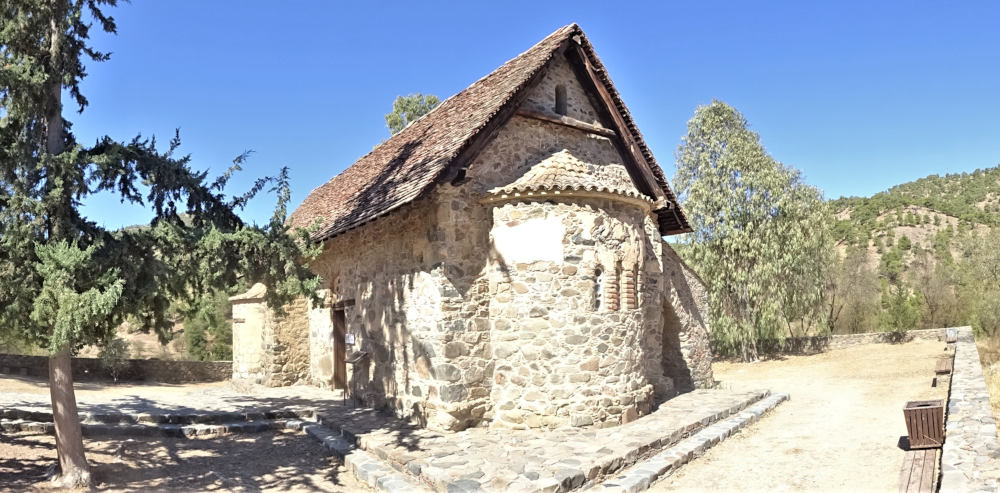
point(917, 474)
point(944, 365)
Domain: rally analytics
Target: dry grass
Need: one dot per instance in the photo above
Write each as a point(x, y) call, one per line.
point(989, 356)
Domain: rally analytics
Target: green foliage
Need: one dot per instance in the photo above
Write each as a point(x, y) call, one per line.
point(935, 282)
point(760, 233)
point(407, 109)
point(979, 284)
point(852, 294)
point(970, 197)
point(942, 246)
point(76, 281)
point(904, 243)
point(901, 310)
point(208, 330)
point(113, 357)
point(891, 266)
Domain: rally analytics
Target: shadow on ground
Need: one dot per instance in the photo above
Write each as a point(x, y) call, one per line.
point(264, 461)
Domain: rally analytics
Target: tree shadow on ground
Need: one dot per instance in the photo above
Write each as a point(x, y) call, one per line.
point(335, 410)
point(264, 461)
point(356, 421)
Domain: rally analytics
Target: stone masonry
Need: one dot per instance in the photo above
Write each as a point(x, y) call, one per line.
point(534, 290)
point(970, 458)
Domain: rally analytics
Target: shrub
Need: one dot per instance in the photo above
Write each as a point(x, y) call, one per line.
point(113, 357)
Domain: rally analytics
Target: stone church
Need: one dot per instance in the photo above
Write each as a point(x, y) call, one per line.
point(500, 262)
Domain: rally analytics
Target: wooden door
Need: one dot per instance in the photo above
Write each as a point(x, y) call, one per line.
point(339, 350)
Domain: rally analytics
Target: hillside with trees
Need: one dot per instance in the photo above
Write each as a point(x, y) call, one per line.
point(926, 251)
point(921, 211)
point(782, 262)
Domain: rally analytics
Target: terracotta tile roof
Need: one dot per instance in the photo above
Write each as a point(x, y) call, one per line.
point(408, 164)
point(564, 172)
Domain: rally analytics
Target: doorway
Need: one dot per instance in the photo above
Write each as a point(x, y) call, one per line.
point(339, 350)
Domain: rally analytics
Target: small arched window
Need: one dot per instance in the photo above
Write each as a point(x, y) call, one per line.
point(598, 288)
point(561, 99)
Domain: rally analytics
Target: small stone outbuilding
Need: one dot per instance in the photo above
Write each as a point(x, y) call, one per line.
point(499, 262)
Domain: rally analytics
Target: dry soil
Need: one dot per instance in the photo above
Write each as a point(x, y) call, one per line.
point(840, 431)
point(270, 461)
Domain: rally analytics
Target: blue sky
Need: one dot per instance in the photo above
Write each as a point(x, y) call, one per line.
point(858, 95)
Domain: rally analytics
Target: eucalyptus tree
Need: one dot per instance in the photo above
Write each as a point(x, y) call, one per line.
point(407, 109)
point(761, 234)
point(69, 282)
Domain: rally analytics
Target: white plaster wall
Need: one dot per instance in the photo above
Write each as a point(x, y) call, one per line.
point(533, 240)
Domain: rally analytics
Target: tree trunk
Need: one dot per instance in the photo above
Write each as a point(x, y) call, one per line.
point(73, 468)
point(74, 471)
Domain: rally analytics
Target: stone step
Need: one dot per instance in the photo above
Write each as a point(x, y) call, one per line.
point(208, 417)
point(418, 472)
point(156, 429)
point(374, 472)
point(643, 474)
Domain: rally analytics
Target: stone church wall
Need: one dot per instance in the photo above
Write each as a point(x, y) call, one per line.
point(531, 351)
point(687, 299)
point(567, 334)
point(389, 279)
point(474, 312)
point(270, 349)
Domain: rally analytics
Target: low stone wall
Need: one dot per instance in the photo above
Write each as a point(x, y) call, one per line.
point(817, 344)
point(970, 458)
point(166, 371)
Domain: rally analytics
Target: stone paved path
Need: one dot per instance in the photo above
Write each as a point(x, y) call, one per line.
point(474, 459)
point(557, 460)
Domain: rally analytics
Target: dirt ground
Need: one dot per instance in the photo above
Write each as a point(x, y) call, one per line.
point(841, 430)
point(151, 390)
point(270, 461)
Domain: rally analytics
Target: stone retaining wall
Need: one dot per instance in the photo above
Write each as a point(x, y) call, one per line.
point(970, 458)
point(818, 344)
point(165, 371)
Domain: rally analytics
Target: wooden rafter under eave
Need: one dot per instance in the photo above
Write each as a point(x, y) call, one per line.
point(455, 171)
point(671, 221)
point(637, 165)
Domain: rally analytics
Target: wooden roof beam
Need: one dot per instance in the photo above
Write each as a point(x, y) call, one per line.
point(640, 168)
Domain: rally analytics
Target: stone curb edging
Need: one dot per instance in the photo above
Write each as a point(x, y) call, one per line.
point(970, 456)
point(644, 474)
point(420, 476)
point(207, 424)
point(155, 418)
point(169, 430)
point(366, 467)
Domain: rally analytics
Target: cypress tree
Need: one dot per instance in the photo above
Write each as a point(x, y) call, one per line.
point(71, 282)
